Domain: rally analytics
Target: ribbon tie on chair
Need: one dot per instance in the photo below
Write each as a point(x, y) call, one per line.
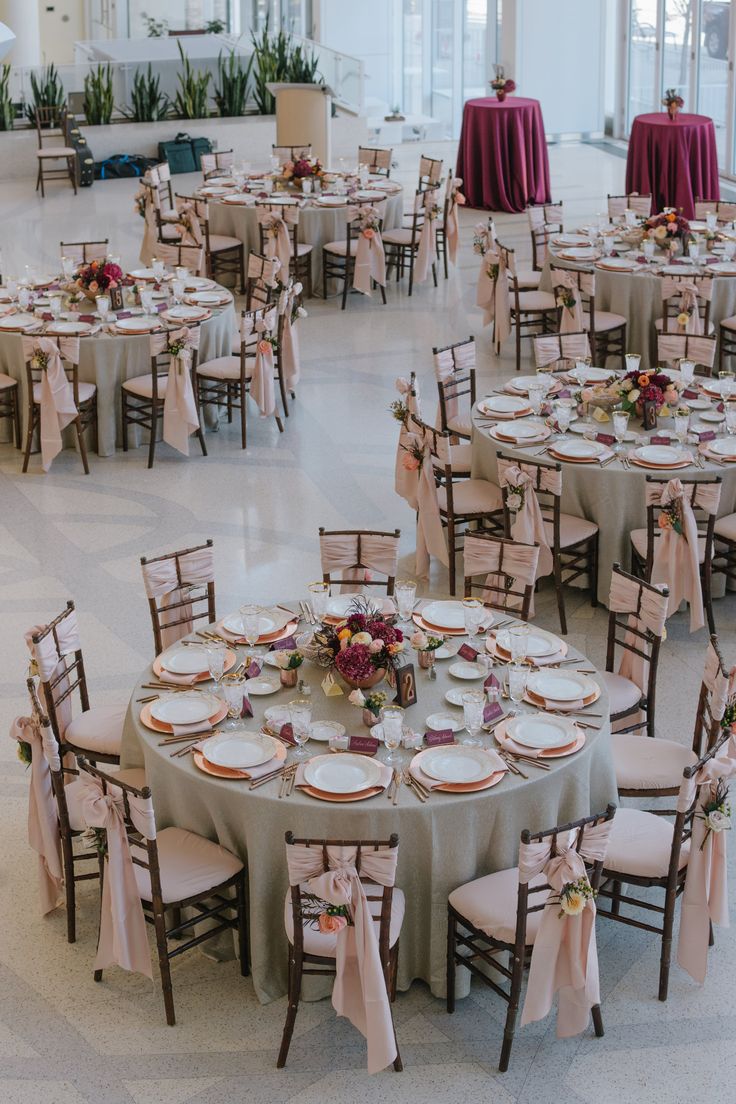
point(49, 657)
point(57, 399)
point(430, 534)
point(572, 316)
point(189, 225)
point(372, 551)
point(123, 940)
point(43, 820)
point(405, 481)
point(448, 363)
point(180, 408)
point(528, 526)
point(676, 555)
point(169, 580)
point(290, 352)
point(370, 259)
point(717, 683)
point(517, 561)
point(493, 296)
point(564, 959)
point(647, 609)
point(359, 991)
point(262, 388)
point(705, 899)
point(427, 248)
point(696, 347)
point(454, 198)
point(278, 243)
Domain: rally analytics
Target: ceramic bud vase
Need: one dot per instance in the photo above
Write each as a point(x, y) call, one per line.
point(673, 111)
point(426, 659)
point(290, 676)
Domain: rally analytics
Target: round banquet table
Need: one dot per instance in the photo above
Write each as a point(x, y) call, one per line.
point(638, 297)
point(502, 155)
point(317, 226)
point(612, 496)
point(676, 162)
point(108, 360)
point(447, 841)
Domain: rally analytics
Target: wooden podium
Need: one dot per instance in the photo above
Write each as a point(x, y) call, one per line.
point(303, 114)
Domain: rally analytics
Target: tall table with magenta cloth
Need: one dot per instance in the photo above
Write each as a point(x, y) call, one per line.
point(445, 840)
point(502, 156)
point(114, 351)
point(675, 160)
point(597, 484)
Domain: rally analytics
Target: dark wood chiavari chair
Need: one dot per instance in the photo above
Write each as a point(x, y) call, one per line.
point(632, 201)
point(672, 304)
point(303, 961)
point(607, 329)
point(388, 582)
point(545, 220)
point(377, 160)
point(224, 255)
point(291, 153)
point(52, 125)
point(503, 592)
point(82, 252)
point(700, 348)
point(157, 862)
point(300, 264)
point(10, 405)
point(213, 164)
point(197, 603)
point(338, 261)
point(570, 347)
point(455, 387)
point(532, 312)
point(85, 398)
point(722, 209)
point(430, 173)
point(260, 284)
point(514, 911)
point(402, 245)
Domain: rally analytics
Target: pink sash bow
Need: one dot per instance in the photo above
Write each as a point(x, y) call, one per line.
point(517, 561)
point(370, 260)
point(430, 534)
point(646, 610)
point(57, 400)
point(290, 352)
point(278, 242)
point(563, 346)
point(180, 408)
point(528, 525)
point(676, 556)
point(339, 552)
point(359, 991)
point(189, 225)
point(405, 481)
point(427, 248)
point(493, 296)
point(457, 360)
point(43, 820)
point(564, 959)
point(454, 198)
point(123, 940)
point(262, 388)
point(571, 319)
point(169, 580)
point(689, 293)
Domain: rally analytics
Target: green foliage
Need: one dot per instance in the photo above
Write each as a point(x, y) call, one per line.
point(98, 96)
point(47, 91)
point(276, 59)
point(231, 92)
point(302, 66)
point(155, 28)
point(214, 26)
point(7, 111)
point(148, 102)
point(191, 101)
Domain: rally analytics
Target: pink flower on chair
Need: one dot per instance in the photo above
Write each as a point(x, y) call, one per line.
point(264, 346)
point(410, 462)
point(330, 924)
point(369, 233)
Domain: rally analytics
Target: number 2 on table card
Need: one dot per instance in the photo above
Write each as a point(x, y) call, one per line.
point(406, 686)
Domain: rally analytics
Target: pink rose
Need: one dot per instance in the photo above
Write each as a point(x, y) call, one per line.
point(264, 346)
point(410, 462)
point(331, 925)
point(375, 646)
point(369, 233)
point(93, 285)
point(670, 395)
point(460, 198)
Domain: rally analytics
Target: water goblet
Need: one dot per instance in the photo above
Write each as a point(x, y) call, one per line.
point(68, 266)
point(687, 371)
point(406, 596)
point(519, 641)
point(726, 385)
point(473, 704)
point(630, 217)
point(147, 300)
point(620, 425)
point(633, 360)
point(729, 250)
point(518, 678)
point(216, 657)
point(392, 720)
point(24, 298)
point(102, 302)
point(607, 244)
point(181, 273)
point(11, 286)
point(711, 220)
point(682, 423)
point(307, 185)
point(55, 306)
point(233, 691)
point(563, 415)
point(648, 246)
point(536, 399)
point(159, 269)
point(693, 250)
point(318, 595)
point(300, 716)
point(730, 410)
point(473, 614)
point(546, 380)
point(268, 185)
point(178, 288)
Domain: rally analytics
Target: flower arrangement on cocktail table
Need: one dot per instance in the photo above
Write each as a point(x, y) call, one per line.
point(668, 227)
point(501, 84)
point(301, 168)
point(674, 103)
point(97, 277)
point(362, 648)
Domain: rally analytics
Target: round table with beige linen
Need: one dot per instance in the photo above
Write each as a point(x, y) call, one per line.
point(611, 496)
point(108, 360)
point(442, 844)
point(638, 297)
point(317, 226)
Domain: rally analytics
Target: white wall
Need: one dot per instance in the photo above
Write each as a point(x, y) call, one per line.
point(365, 31)
point(559, 51)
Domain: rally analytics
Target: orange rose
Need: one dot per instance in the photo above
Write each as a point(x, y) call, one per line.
point(663, 521)
point(671, 217)
point(643, 380)
point(369, 233)
point(264, 346)
point(331, 925)
point(344, 634)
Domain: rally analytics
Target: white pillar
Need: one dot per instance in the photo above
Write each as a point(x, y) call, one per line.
point(23, 19)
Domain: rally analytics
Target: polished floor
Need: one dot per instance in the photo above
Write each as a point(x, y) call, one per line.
point(65, 1040)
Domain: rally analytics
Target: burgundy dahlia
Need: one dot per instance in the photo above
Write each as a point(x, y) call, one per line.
point(355, 662)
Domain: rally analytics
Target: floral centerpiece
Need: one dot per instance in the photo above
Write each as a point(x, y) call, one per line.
point(425, 646)
point(301, 168)
point(371, 704)
point(289, 661)
point(362, 648)
point(636, 388)
point(674, 103)
point(668, 227)
point(501, 84)
point(98, 277)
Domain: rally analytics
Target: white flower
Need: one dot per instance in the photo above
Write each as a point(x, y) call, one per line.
point(301, 312)
point(361, 638)
point(357, 698)
point(419, 640)
point(718, 821)
point(283, 659)
point(514, 501)
point(572, 903)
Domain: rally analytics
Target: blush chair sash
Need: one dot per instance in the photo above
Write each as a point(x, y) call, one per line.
point(57, 394)
point(339, 552)
point(455, 198)
point(459, 360)
point(493, 295)
point(277, 238)
point(518, 561)
point(370, 260)
point(290, 351)
point(484, 237)
point(189, 225)
point(169, 580)
point(705, 899)
point(190, 255)
point(43, 822)
point(673, 346)
point(359, 991)
point(405, 481)
point(262, 388)
point(646, 610)
point(427, 247)
point(122, 940)
point(676, 560)
point(50, 660)
point(689, 293)
point(571, 319)
point(264, 268)
point(717, 683)
point(564, 959)
point(528, 525)
point(180, 409)
point(550, 348)
point(430, 534)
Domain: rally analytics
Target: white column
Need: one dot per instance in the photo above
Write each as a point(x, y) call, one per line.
point(23, 19)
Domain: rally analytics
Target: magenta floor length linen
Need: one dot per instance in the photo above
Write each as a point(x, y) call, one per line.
point(502, 156)
point(675, 161)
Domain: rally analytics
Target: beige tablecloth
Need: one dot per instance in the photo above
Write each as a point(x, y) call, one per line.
point(107, 361)
point(638, 297)
point(612, 497)
point(449, 840)
point(317, 226)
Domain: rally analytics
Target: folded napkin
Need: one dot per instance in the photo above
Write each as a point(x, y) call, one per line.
point(496, 764)
point(384, 781)
point(191, 729)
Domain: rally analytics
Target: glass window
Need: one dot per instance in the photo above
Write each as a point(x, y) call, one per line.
point(475, 68)
point(715, 29)
point(442, 63)
point(643, 90)
point(678, 46)
point(413, 95)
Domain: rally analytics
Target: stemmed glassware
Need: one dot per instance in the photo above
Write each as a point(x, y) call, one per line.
point(473, 614)
point(68, 266)
point(726, 385)
point(563, 415)
point(216, 656)
point(318, 595)
point(159, 269)
point(250, 622)
point(473, 703)
point(233, 690)
point(682, 423)
point(300, 716)
point(406, 596)
point(687, 371)
point(519, 641)
point(620, 425)
point(392, 720)
point(518, 678)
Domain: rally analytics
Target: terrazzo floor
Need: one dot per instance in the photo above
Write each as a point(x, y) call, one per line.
point(65, 1040)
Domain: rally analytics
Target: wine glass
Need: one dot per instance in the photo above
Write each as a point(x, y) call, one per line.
point(473, 703)
point(729, 250)
point(250, 621)
point(545, 380)
point(518, 677)
point(406, 596)
point(682, 423)
point(178, 288)
point(181, 273)
point(55, 306)
point(233, 691)
point(216, 657)
point(392, 720)
point(726, 385)
point(730, 410)
point(563, 415)
point(620, 425)
point(687, 371)
point(147, 300)
point(473, 615)
point(536, 398)
point(24, 298)
point(300, 716)
point(693, 250)
point(711, 220)
point(159, 269)
point(318, 595)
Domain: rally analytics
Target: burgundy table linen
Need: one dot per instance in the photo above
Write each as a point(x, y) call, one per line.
point(502, 156)
point(675, 161)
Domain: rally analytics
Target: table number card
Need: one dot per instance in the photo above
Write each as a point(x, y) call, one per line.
point(649, 414)
point(116, 298)
point(438, 737)
point(253, 670)
point(406, 686)
point(466, 652)
point(492, 683)
point(364, 745)
point(707, 435)
point(659, 440)
point(689, 393)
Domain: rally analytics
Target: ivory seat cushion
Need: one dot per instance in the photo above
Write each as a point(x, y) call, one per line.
point(57, 151)
point(462, 458)
point(728, 323)
point(648, 764)
point(143, 386)
point(400, 236)
point(572, 530)
point(7, 381)
point(303, 248)
point(325, 943)
point(531, 301)
point(220, 242)
point(623, 694)
point(604, 320)
point(340, 247)
point(99, 729)
point(725, 526)
point(640, 843)
point(135, 776)
point(528, 280)
point(639, 541)
point(170, 233)
point(235, 346)
point(190, 865)
point(86, 391)
point(472, 496)
point(489, 904)
point(460, 425)
point(224, 368)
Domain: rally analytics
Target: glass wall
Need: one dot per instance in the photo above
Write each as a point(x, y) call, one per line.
point(643, 58)
point(413, 53)
point(443, 63)
point(713, 70)
point(475, 49)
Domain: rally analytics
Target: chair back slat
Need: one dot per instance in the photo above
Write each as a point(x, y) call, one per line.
point(179, 581)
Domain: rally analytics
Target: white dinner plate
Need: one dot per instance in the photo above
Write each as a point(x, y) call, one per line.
point(660, 454)
point(465, 670)
point(726, 268)
point(239, 750)
point(325, 730)
point(541, 730)
point(340, 604)
point(198, 283)
point(521, 385)
point(220, 182)
point(455, 763)
point(269, 621)
point(576, 253)
point(579, 449)
point(139, 323)
point(19, 321)
point(561, 685)
point(185, 661)
point(214, 192)
point(712, 416)
point(187, 707)
point(372, 195)
point(446, 615)
point(331, 201)
point(697, 404)
point(503, 404)
point(276, 716)
point(725, 446)
point(455, 697)
point(238, 200)
point(448, 650)
point(346, 773)
point(622, 264)
point(438, 722)
point(571, 239)
point(261, 686)
point(591, 374)
point(522, 430)
point(208, 298)
point(185, 314)
point(683, 269)
point(539, 642)
point(143, 274)
point(68, 327)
